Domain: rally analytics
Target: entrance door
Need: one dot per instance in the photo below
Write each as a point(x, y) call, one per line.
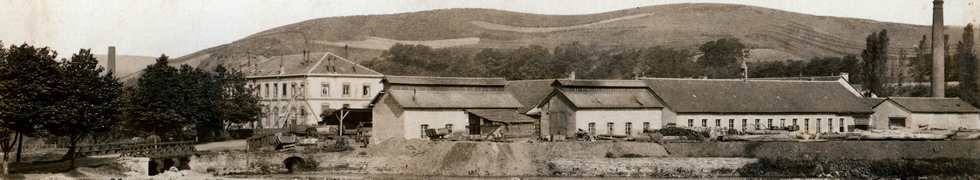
point(896, 122)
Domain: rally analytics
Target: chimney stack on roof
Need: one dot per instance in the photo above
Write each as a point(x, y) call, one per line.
point(938, 48)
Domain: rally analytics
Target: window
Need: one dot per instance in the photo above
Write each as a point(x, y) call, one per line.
point(450, 127)
point(266, 90)
point(629, 128)
point(325, 89)
point(592, 128)
point(610, 127)
point(704, 122)
point(302, 88)
point(782, 122)
point(830, 124)
point(806, 124)
point(745, 122)
point(646, 125)
point(769, 123)
point(690, 122)
point(284, 89)
point(346, 89)
point(302, 112)
point(717, 122)
point(731, 123)
point(758, 124)
point(275, 89)
point(794, 122)
point(293, 90)
point(842, 126)
point(367, 90)
point(424, 127)
point(817, 124)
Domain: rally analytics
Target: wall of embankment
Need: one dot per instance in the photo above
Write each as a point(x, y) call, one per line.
point(624, 159)
point(479, 159)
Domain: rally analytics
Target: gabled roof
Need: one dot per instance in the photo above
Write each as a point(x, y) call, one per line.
point(444, 81)
point(454, 99)
point(612, 98)
point(873, 102)
point(756, 96)
point(311, 64)
point(599, 83)
point(934, 105)
point(530, 92)
point(501, 115)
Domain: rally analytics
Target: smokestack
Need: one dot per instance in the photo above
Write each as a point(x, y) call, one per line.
point(938, 46)
point(572, 75)
point(112, 59)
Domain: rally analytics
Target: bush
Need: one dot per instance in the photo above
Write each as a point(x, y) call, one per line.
point(688, 133)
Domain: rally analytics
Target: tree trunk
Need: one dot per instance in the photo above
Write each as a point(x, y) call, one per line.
point(73, 141)
point(20, 145)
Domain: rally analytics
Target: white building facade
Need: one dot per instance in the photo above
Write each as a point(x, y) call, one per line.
point(301, 87)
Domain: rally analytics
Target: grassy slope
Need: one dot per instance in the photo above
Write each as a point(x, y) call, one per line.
point(679, 25)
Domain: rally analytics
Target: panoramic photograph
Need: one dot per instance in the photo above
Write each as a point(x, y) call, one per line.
point(490, 89)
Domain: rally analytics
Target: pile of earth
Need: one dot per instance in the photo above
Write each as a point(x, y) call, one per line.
point(421, 157)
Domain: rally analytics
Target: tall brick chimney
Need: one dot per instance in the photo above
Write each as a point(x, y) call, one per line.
point(112, 60)
point(938, 46)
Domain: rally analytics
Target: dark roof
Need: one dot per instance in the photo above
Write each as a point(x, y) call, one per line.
point(454, 99)
point(934, 105)
point(530, 92)
point(613, 98)
point(804, 78)
point(316, 63)
point(599, 83)
point(501, 115)
point(873, 101)
point(441, 81)
point(756, 96)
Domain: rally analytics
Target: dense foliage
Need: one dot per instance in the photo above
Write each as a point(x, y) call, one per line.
point(167, 101)
point(717, 59)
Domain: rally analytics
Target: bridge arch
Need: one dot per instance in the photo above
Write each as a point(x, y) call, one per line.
point(292, 163)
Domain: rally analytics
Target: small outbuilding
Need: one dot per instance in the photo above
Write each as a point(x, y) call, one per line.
point(409, 105)
point(613, 107)
point(914, 112)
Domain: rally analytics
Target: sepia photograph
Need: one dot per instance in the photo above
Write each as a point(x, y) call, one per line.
point(489, 89)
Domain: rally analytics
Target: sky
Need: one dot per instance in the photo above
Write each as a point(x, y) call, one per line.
point(181, 27)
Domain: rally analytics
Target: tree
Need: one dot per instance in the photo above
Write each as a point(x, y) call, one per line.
point(199, 96)
point(921, 65)
point(85, 101)
point(157, 100)
point(239, 103)
point(722, 57)
point(969, 78)
point(27, 79)
point(875, 56)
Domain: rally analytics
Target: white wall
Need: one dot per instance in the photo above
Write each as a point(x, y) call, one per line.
point(619, 118)
point(314, 100)
point(945, 120)
point(879, 120)
point(387, 120)
point(414, 118)
point(682, 120)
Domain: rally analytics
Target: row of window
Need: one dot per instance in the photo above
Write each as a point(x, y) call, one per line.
point(273, 114)
point(841, 127)
point(611, 128)
point(286, 89)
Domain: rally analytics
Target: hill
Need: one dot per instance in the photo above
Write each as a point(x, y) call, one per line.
point(773, 34)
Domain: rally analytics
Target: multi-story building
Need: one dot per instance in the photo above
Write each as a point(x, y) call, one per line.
point(301, 87)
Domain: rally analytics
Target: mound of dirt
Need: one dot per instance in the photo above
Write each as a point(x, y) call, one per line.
point(420, 157)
